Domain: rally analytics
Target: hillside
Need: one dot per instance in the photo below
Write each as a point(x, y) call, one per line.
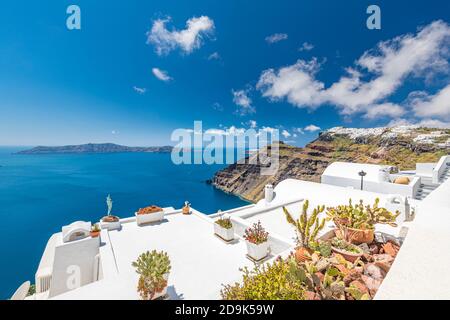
point(94, 148)
point(402, 146)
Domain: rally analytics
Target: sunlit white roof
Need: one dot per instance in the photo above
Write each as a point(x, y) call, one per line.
point(351, 170)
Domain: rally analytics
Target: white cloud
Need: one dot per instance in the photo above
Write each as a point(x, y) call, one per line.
point(312, 128)
point(296, 83)
point(299, 130)
point(243, 101)
point(384, 109)
point(140, 90)
point(306, 47)
point(376, 75)
point(187, 40)
point(214, 56)
point(425, 105)
point(253, 124)
point(161, 74)
point(285, 134)
point(277, 37)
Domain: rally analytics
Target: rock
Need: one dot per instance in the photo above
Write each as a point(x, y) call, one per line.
point(383, 265)
point(352, 276)
point(322, 265)
point(373, 248)
point(360, 285)
point(320, 276)
point(374, 271)
point(309, 295)
point(391, 249)
point(342, 269)
point(365, 247)
point(368, 257)
point(383, 257)
point(371, 283)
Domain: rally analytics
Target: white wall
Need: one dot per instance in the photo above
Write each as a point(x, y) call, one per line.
point(74, 265)
point(425, 169)
point(379, 187)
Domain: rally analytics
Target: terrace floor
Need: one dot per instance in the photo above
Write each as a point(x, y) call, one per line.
point(201, 262)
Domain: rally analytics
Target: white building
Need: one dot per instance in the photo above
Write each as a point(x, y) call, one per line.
point(202, 263)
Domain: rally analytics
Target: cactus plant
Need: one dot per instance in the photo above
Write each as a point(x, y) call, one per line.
point(307, 227)
point(153, 268)
point(360, 216)
point(329, 287)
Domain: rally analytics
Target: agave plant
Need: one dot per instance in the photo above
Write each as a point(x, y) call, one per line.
point(307, 227)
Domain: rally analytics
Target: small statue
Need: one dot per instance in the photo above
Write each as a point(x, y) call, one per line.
point(109, 218)
point(187, 208)
point(109, 203)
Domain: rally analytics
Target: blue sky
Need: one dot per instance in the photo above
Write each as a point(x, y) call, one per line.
point(291, 65)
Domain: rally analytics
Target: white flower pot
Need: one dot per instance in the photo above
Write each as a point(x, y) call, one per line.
point(257, 251)
point(164, 292)
point(225, 234)
point(149, 218)
point(110, 225)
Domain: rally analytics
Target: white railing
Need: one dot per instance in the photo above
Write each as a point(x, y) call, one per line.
point(43, 282)
point(438, 171)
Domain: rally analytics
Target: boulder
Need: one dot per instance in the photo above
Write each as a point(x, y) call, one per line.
point(391, 249)
point(371, 283)
point(374, 271)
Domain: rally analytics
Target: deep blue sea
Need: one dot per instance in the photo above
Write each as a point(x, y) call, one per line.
point(41, 193)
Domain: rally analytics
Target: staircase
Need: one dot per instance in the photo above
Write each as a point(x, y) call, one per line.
point(426, 187)
point(445, 175)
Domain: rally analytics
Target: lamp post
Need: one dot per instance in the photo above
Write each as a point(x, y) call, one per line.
point(362, 174)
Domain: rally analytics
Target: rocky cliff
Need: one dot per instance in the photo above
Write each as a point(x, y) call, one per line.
point(402, 146)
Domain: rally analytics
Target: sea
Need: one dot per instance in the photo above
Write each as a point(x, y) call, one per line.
point(41, 193)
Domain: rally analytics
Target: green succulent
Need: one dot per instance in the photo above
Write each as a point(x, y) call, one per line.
point(360, 216)
point(152, 268)
point(307, 228)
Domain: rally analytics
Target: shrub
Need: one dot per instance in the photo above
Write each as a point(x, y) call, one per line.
point(269, 282)
point(152, 268)
point(225, 223)
point(256, 234)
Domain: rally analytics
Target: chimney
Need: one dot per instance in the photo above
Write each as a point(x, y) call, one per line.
point(269, 193)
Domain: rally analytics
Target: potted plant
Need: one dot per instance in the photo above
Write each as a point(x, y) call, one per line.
point(257, 242)
point(307, 230)
point(95, 231)
point(349, 251)
point(223, 228)
point(187, 208)
point(149, 215)
point(153, 269)
point(109, 221)
point(356, 223)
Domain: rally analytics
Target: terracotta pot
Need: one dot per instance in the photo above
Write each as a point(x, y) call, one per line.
point(356, 236)
point(351, 257)
point(110, 219)
point(95, 234)
point(186, 210)
point(302, 254)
